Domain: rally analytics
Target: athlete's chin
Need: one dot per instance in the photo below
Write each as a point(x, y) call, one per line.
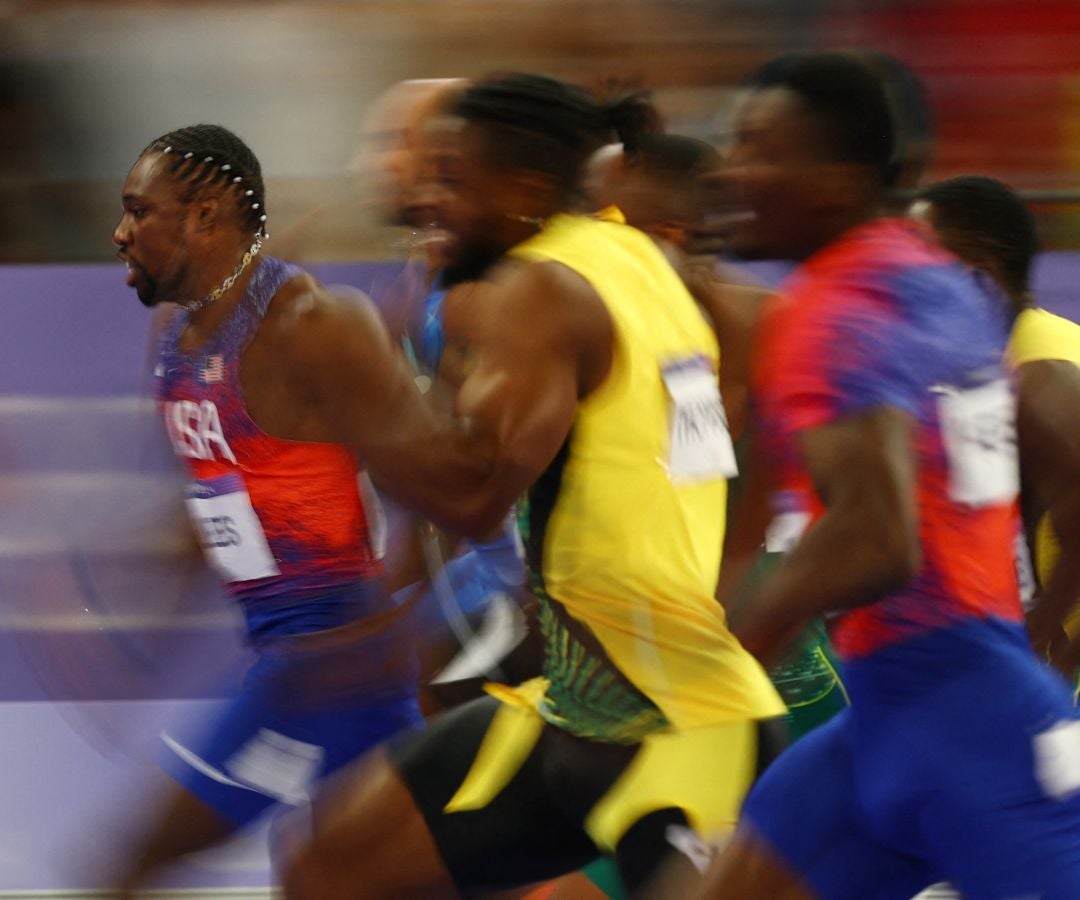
point(147, 294)
point(467, 264)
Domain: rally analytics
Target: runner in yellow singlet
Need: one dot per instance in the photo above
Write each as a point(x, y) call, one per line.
point(597, 386)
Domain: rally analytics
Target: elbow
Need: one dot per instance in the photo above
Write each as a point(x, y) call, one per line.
point(476, 517)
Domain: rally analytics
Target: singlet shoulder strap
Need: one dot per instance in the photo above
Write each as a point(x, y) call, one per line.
point(267, 281)
point(271, 274)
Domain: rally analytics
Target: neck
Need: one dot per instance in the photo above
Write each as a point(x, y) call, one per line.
point(223, 285)
point(1019, 301)
point(832, 228)
point(521, 229)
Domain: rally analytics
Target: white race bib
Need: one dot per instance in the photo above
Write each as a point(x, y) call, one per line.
point(791, 518)
point(1057, 759)
point(978, 427)
point(231, 534)
point(1025, 572)
point(700, 448)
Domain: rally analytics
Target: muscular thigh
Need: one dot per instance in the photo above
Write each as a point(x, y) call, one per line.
point(365, 840)
point(806, 816)
point(525, 833)
point(1004, 816)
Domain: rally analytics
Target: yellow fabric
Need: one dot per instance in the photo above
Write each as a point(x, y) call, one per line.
point(510, 738)
point(627, 551)
point(667, 771)
point(705, 772)
point(1040, 335)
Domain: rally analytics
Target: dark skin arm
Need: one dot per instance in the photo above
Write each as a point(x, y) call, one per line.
point(551, 344)
point(547, 343)
point(323, 368)
point(864, 546)
point(746, 529)
point(732, 310)
point(1048, 432)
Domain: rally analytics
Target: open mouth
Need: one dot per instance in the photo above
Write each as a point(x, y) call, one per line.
point(433, 236)
point(134, 271)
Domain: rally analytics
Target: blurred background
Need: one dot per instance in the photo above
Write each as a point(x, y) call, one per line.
point(108, 631)
point(85, 85)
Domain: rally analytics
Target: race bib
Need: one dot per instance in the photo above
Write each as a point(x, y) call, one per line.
point(231, 534)
point(700, 446)
point(1025, 572)
point(1057, 759)
point(790, 519)
point(979, 432)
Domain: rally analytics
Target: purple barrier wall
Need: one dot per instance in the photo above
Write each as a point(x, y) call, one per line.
point(78, 331)
point(106, 634)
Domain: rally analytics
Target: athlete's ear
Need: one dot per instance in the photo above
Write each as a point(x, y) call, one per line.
point(674, 232)
point(534, 192)
point(206, 213)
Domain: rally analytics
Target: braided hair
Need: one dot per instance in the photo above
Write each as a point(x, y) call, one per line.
point(536, 123)
point(202, 157)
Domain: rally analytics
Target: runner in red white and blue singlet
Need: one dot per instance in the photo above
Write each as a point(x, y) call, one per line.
point(285, 526)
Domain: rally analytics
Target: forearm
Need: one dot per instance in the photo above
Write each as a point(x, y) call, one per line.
point(843, 561)
point(445, 472)
point(748, 521)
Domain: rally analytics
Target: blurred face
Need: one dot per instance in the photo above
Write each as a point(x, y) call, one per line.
point(966, 247)
point(388, 159)
point(476, 201)
point(431, 193)
point(152, 235)
point(776, 173)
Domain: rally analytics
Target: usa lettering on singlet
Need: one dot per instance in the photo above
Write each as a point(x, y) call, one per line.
point(228, 528)
point(275, 517)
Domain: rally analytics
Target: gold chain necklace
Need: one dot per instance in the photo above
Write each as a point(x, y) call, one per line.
point(252, 252)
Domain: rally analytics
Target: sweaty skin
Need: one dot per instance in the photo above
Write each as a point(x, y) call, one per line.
point(1049, 444)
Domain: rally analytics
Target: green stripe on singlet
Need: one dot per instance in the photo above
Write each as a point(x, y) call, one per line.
point(588, 695)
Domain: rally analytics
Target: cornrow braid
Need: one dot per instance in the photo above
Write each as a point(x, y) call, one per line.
point(536, 123)
point(210, 156)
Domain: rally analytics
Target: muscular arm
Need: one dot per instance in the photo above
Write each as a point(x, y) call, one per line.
point(748, 523)
point(866, 543)
point(1048, 431)
point(733, 310)
point(550, 343)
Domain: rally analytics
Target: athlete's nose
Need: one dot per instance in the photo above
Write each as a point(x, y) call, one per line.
point(121, 235)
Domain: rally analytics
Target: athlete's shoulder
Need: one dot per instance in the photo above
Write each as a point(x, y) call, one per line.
point(878, 258)
point(309, 324)
point(550, 293)
point(303, 305)
point(1039, 335)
